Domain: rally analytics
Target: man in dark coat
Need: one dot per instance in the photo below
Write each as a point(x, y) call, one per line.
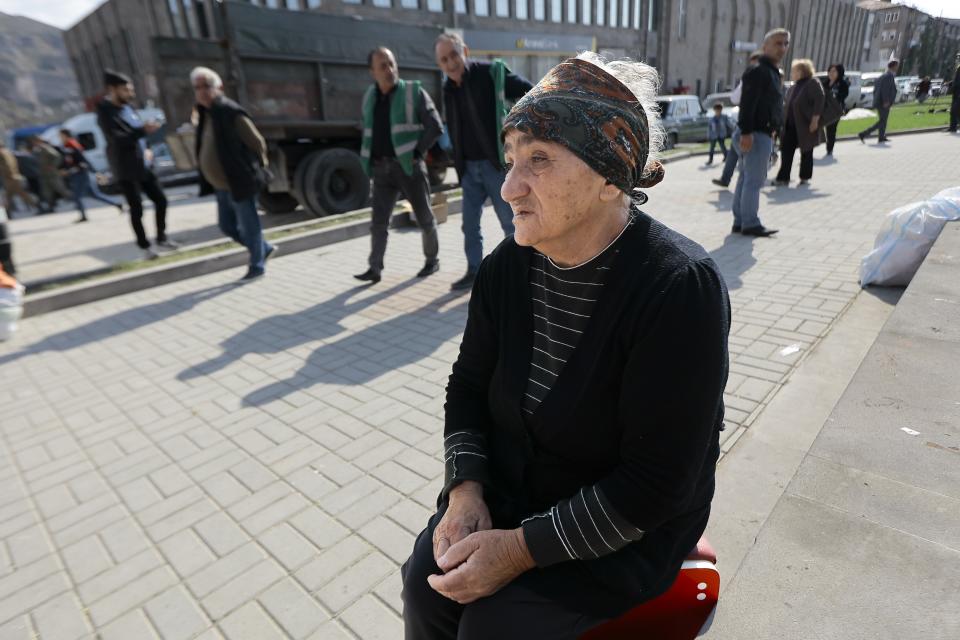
point(125, 133)
point(475, 97)
point(884, 95)
point(231, 155)
point(955, 104)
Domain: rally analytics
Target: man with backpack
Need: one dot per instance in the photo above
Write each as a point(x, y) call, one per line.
point(475, 95)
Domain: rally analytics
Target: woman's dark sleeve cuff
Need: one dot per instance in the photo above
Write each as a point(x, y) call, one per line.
point(465, 458)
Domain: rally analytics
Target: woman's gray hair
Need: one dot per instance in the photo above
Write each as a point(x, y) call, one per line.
point(644, 82)
point(211, 77)
point(453, 38)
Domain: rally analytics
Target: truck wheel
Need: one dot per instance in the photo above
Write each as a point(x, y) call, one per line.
point(672, 140)
point(277, 202)
point(332, 181)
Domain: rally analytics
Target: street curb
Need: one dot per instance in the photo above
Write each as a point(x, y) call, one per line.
point(73, 295)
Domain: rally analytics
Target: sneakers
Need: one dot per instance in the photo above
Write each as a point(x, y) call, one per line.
point(720, 183)
point(369, 275)
point(429, 268)
point(466, 282)
point(759, 231)
point(167, 244)
point(271, 252)
point(150, 254)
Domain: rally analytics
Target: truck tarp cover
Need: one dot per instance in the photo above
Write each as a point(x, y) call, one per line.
point(316, 35)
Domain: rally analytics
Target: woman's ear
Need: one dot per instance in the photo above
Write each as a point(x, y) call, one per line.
point(609, 192)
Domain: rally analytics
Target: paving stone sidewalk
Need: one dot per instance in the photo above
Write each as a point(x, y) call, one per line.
point(208, 460)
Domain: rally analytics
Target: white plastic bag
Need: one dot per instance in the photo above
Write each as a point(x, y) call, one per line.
point(906, 238)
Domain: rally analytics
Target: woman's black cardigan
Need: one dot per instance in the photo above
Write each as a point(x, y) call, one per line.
point(637, 409)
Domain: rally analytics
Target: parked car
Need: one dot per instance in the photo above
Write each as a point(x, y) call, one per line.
point(906, 87)
point(684, 119)
point(936, 87)
point(730, 110)
point(854, 78)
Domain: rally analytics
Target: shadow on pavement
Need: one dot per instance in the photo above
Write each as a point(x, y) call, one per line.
point(734, 257)
point(788, 195)
point(281, 332)
point(374, 351)
point(889, 295)
point(119, 323)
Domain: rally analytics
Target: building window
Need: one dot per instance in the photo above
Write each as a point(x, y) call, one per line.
point(313, 4)
point(461, 6)
point(556, 10)
point(571, 11)
point(682, 20)
point(539, 9)
point(410, 4)
point(351, 1)
point(293, 5)
point(271, 4)
point(503, 8)
point(625, 16)
point(190, 13)
point(587, 17)
point(601, 12)
point(653, 15)
point(614, 13)
point(176, 18)
point(383, 4)
point(520, 9)
point(435, 6)
point(481, 7)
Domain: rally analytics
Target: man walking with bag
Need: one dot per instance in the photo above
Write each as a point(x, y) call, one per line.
point(400, 124)
point(475, 95)
point(232, 156)
point(884, 95)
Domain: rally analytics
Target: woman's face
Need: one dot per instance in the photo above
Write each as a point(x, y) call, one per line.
point(552, 192)
point(832, 73)
point(796, 74)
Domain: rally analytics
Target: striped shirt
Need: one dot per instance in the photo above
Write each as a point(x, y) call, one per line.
point(586, 525)
point(563, 301)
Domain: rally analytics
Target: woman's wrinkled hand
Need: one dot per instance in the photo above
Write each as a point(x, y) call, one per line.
point(466, 513)
point(481, 564)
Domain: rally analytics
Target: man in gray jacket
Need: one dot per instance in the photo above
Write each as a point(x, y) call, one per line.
point(884, 95)
point(400, 124)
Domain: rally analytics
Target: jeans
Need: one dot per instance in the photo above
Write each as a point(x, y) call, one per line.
point(479, 180)
point(880, 124)
point(81, 186)
point(730, 162)
point(132, 192)
point(389, 181)
point(723, 149)
point(787, 149)
point(753, 173)
point(239, 221)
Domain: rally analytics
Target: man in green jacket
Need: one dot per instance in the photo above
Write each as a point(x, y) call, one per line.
point(400, 124)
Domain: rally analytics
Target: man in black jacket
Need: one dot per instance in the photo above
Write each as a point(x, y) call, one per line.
point(761, 115)
point(474, 97)
point(231, 154)
point(884, 95)
point(125, 133)
point(955, 104)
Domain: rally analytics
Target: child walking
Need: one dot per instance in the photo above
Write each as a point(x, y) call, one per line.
point(718, 131)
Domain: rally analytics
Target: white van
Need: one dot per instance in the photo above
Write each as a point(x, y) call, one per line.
point(85, 129)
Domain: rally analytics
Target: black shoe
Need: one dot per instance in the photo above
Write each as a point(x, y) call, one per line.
point(863, 138)
point(252, 275)
point(271, 253)
point(369, 276)
point(884, 140)
point(79, 220)
point(735, 229)
point(429, 268)
point(720, 183)
point(759, 232)
point(780, 183)
point(466, 282)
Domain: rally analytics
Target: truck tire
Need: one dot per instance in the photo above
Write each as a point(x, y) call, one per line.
point(332, 181)
point(672, 139)
point(277, 202)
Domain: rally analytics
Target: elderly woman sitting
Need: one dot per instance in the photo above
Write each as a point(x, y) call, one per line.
point(583, 412)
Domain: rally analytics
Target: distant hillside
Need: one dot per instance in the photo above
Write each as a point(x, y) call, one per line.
point(37, 83)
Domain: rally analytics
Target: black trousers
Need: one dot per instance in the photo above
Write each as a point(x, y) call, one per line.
point(389, 181)
point(132, 191)
point(880, 124)
point(832, 135)
point(519, 611)
point(955, 110)
point(788, 146)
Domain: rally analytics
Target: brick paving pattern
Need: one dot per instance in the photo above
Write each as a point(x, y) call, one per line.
point(206, 460)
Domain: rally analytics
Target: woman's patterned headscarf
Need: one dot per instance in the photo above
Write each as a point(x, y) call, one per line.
point(595, 116)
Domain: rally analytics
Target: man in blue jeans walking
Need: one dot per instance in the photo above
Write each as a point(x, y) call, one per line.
point(475, 95)
point(761, 115)
point(231, 155)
